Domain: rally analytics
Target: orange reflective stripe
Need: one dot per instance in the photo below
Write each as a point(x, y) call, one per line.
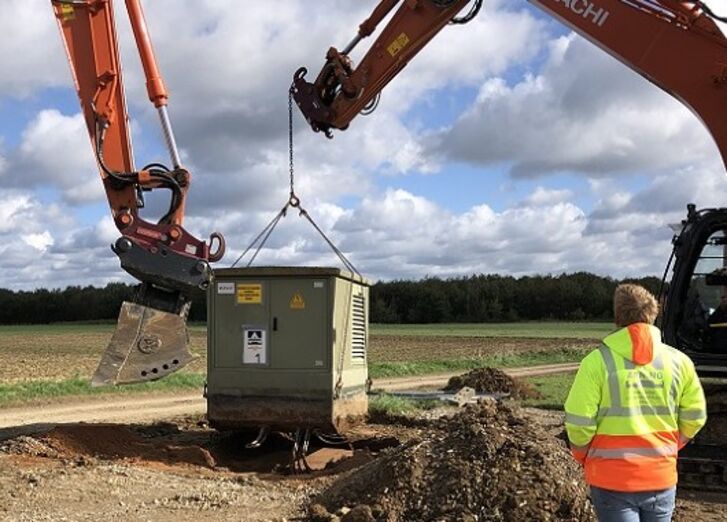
point(632, 474)
point(642, 344)
point(633, 462)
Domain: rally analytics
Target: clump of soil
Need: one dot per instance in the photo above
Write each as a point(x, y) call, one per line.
point(487, 463)
point(25, 445)
point(492, 380)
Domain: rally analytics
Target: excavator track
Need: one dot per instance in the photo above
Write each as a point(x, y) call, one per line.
point(704, 468)
point(703, 463)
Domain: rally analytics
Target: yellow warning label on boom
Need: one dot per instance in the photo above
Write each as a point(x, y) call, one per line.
point(67, 12)
point(297, 302)
point(397, 45)
point(250, 294)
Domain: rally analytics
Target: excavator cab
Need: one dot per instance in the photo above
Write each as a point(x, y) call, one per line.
point(694, 301)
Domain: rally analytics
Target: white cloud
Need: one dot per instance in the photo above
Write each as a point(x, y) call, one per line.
point(543, 196)
point(42, 245)
point(583, 113)
point(54, 151)
point(31, 56)
point(40, 242)
point(106, 231)
point(403, 235)
point(12, 209)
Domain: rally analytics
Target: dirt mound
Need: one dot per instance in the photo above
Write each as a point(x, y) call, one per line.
point(25, 445)
point(486, 463)
point(492, 380)
point(93, 440)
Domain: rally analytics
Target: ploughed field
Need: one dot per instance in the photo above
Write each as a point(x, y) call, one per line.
point(65, 351)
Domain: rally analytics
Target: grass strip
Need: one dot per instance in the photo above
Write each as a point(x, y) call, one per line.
point(379, 370)
point(22, 392)
point(534, 329)
point(393, 406)
point(553, 390)
point(526, 329)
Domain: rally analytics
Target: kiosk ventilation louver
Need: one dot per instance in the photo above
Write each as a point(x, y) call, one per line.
point(358, 320)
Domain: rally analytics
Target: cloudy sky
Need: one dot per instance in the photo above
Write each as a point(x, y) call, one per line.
point(509, 146)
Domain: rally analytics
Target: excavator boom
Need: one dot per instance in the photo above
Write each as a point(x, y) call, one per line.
point(151, 339)
point(675, 44)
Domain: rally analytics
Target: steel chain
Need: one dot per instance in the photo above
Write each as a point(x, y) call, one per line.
point(293, 201)
point(290, 144)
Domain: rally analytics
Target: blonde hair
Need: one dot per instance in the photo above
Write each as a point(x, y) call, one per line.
point(634, 304)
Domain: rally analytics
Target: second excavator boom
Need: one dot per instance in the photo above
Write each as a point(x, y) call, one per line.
point(150, 340)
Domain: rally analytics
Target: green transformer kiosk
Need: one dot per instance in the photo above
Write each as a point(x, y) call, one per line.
point(287, 348)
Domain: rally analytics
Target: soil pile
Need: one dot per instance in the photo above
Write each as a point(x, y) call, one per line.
point(25, 445)
point(487, 463)
point(492, 380)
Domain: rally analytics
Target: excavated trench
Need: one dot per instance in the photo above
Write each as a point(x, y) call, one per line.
point(189, 445)
point(192, 443)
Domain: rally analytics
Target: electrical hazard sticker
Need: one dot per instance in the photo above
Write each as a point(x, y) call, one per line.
point(297, 302)
point(255, 350)
point(250, 294)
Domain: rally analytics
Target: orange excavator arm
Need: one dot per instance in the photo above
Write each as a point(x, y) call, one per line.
point(150, 340)
point(675, 44)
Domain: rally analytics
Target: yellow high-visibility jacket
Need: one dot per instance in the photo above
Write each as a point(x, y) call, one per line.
point(634, 404)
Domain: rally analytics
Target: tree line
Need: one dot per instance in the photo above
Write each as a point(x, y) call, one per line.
point(474, 299)
point(494, 298)
point(75, 303)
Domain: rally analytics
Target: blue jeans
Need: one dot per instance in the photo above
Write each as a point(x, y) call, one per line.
point(646, 506)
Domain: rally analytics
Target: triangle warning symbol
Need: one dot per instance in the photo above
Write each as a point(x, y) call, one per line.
point(297, 302)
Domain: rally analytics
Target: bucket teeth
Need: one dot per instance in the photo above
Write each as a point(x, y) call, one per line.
point(148, 344)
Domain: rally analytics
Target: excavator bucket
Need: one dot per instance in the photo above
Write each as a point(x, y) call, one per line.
point(148, 344)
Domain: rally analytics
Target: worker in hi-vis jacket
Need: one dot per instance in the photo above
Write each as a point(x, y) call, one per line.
point(634, 404)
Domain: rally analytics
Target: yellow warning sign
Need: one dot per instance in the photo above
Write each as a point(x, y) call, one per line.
point(67, 12)
point(398, 44)
point(297, 302)
point(250, 294)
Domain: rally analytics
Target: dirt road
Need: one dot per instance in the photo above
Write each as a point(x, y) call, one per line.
point(20, 421)
point(17, 421)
